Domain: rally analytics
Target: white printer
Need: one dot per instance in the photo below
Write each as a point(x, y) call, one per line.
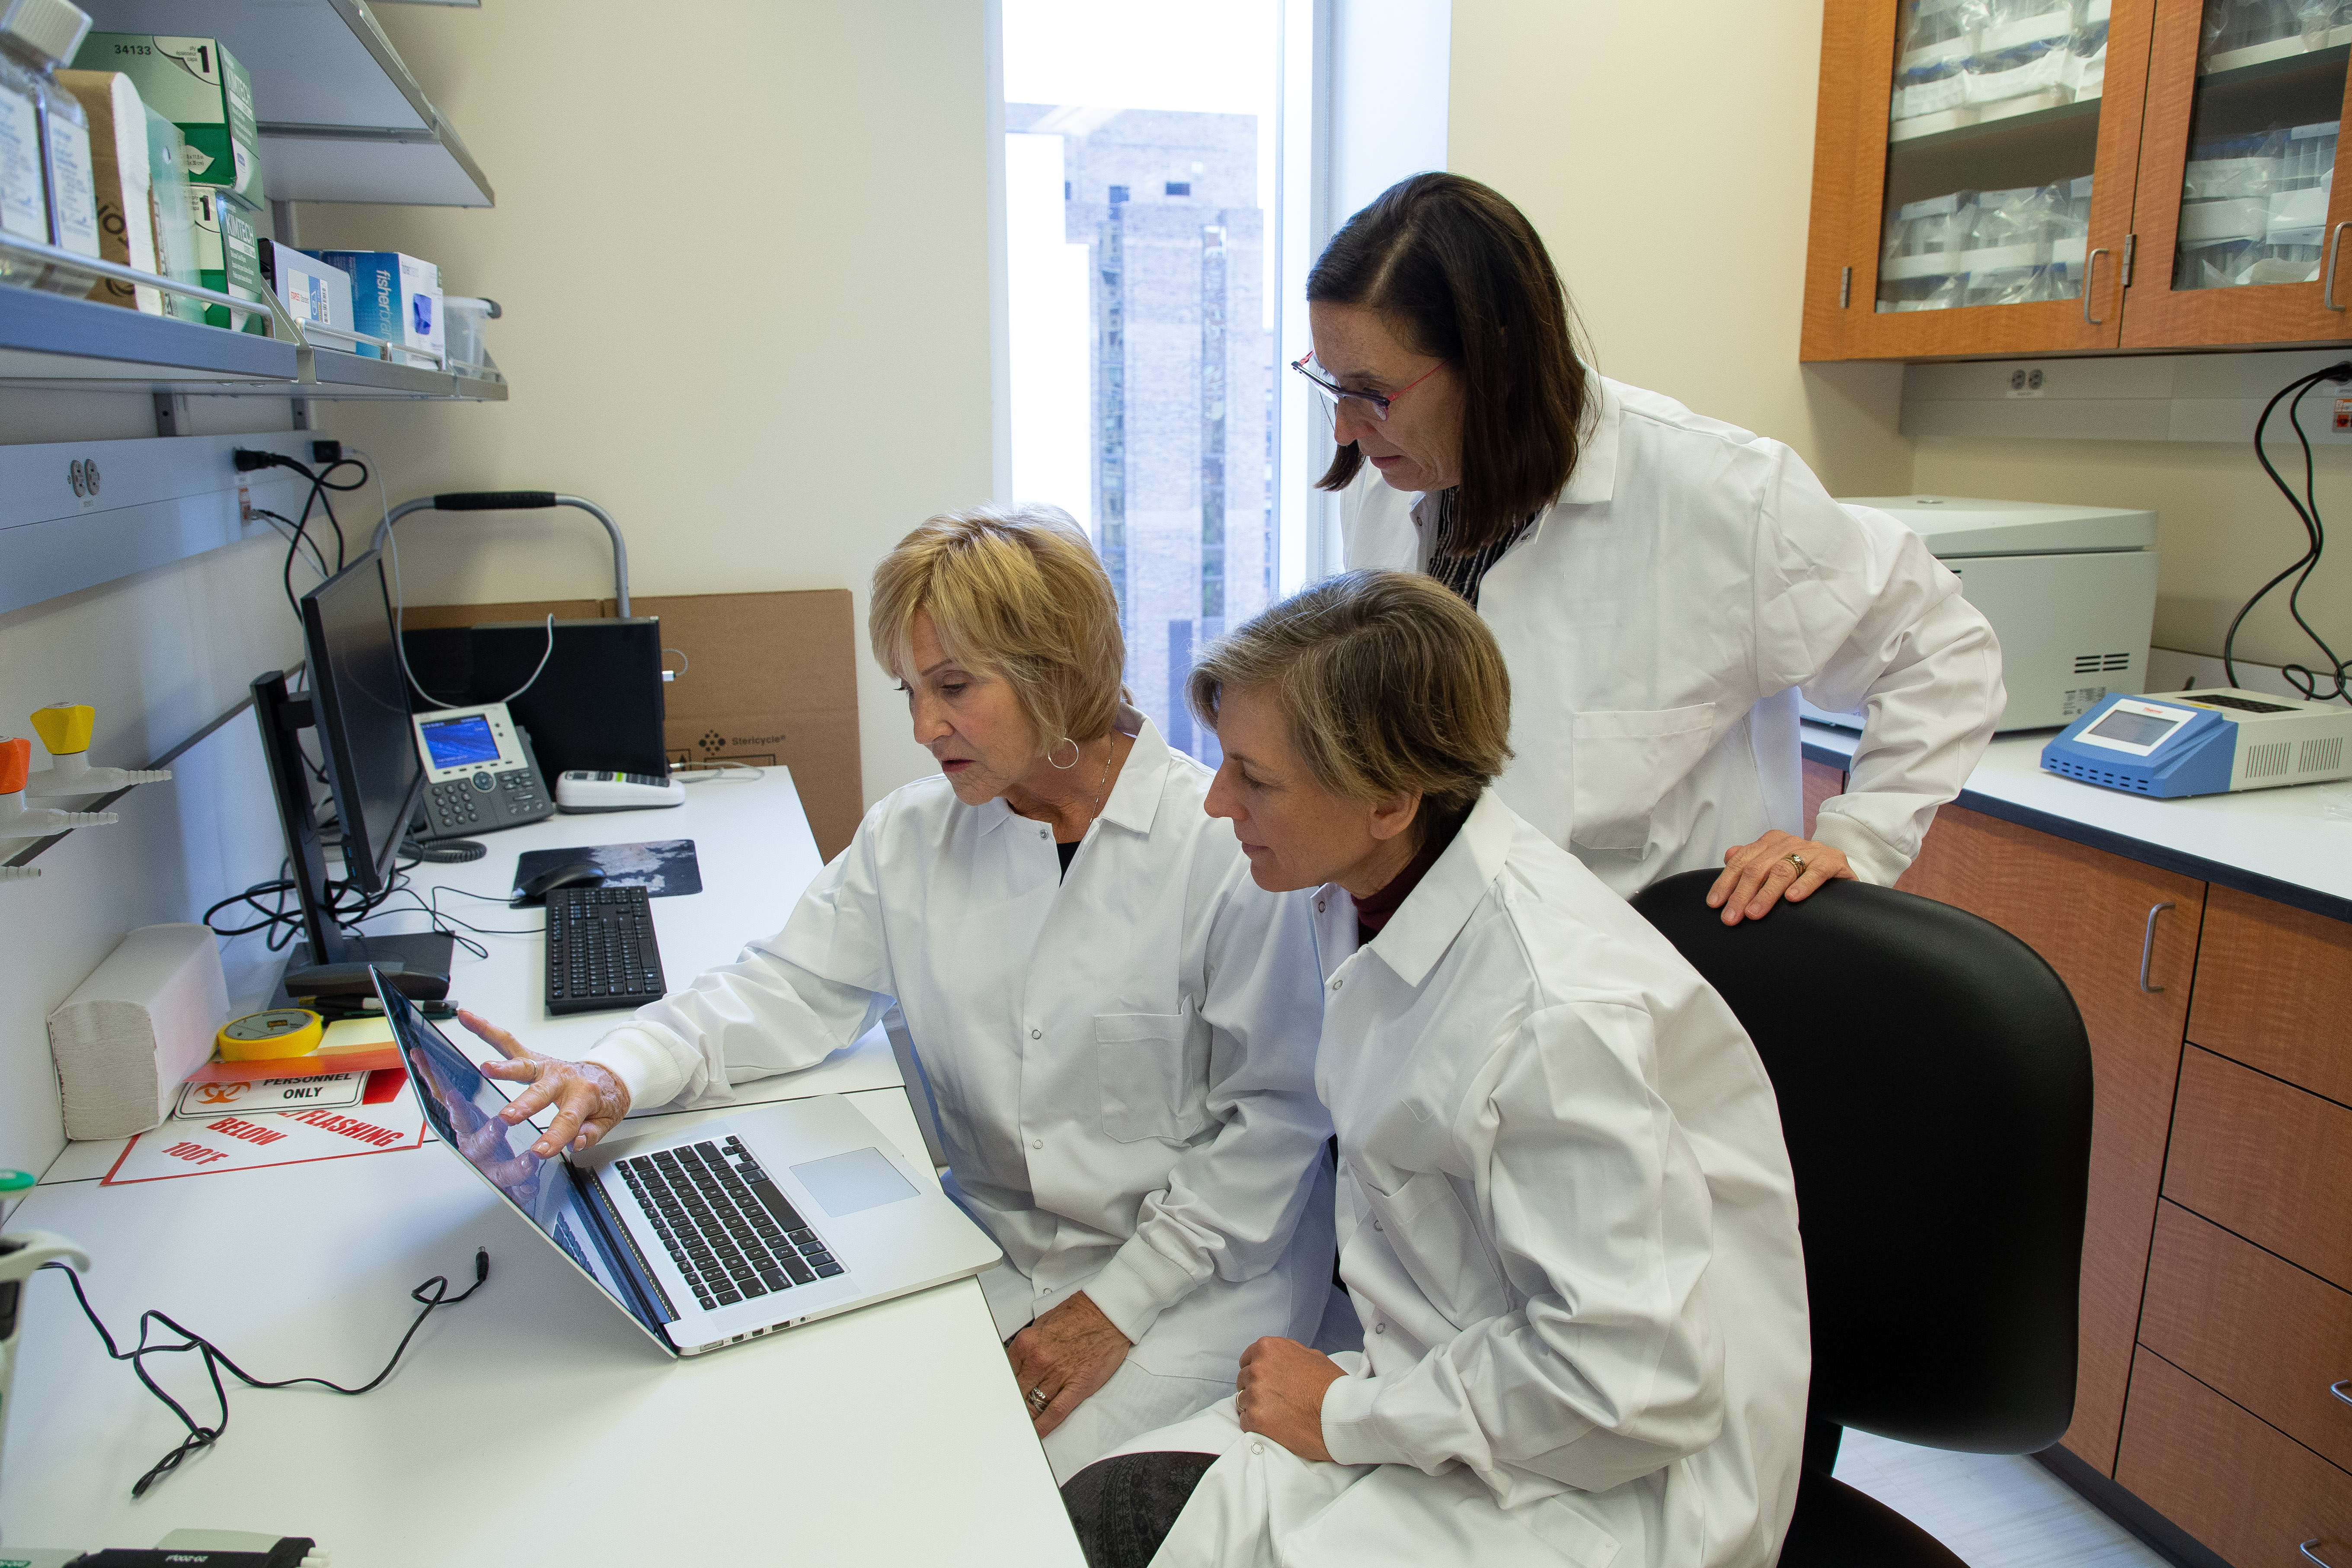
point(2070, 591)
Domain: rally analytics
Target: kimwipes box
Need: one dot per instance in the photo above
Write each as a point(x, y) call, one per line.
point(765, 679)
point(199, 86)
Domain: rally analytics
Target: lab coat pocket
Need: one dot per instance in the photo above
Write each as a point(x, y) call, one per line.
point(1434, 1236)
point(1153, 1081)
point(1624, 762)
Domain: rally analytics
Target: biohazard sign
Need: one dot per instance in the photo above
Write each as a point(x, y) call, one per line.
point(243, 1140)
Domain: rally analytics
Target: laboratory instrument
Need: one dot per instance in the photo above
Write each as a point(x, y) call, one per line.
point(2070, 591)
point(2212, 741)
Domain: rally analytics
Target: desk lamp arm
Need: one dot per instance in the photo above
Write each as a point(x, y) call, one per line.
point(521, 501)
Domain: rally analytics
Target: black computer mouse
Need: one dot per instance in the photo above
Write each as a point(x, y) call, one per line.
point(578, 874)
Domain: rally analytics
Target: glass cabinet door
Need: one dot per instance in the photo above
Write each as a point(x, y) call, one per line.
point(1993, 176)
point(2236, 245)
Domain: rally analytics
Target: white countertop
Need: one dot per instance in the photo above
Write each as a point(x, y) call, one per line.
point(2294, 843)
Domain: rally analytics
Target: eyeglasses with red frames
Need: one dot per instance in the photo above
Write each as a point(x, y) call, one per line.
point(1374, 404)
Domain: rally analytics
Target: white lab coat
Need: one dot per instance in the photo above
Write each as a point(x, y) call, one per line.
point(1662, 615)
point(1568, 1226)
point(1121, 1062)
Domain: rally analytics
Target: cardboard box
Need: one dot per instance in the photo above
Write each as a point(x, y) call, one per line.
point(123, 186)
point(202, 89)
point(313, 293)
point(767, 679)
point(229, 259)
point(393, 297)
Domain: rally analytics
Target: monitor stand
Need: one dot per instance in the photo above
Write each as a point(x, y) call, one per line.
point(427, 950)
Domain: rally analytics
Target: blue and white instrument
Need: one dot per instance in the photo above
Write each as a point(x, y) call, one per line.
point(2204, 743)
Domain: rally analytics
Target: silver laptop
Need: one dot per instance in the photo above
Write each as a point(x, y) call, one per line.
point(714, 1234)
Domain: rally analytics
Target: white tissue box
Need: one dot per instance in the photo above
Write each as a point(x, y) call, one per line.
point(132, 1033)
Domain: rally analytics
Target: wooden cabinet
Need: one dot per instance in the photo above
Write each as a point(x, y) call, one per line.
point(2216, 1376)
point(2253, 1327)
point(2238, 1485)
point(2093, 915)
point(1999, 177)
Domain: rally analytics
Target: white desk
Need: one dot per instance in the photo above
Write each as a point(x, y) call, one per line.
point(533, 1423)
point(2292, 845)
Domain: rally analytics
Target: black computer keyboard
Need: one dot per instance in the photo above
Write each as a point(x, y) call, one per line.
point(729, 1229)
point(600, 953)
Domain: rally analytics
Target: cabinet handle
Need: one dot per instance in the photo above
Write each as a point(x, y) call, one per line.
point(2147, 947)
point(2090, 275)
point(2336, 1388)
point(2305, 1548)
point(2334, 239)
point(1845, 287)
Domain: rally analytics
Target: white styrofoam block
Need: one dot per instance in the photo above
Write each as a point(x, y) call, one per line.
point(132, 1033)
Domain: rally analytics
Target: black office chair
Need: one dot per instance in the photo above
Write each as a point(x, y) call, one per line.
point(1935, 1088)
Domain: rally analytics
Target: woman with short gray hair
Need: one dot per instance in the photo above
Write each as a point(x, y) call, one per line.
point(1117, 1025)
point(1567, 1220)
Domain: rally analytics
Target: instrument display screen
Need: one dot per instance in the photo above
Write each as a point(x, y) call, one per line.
point(2135, 728)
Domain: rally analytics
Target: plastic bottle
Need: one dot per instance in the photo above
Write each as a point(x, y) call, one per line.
point(24, 199)
point(37, 36)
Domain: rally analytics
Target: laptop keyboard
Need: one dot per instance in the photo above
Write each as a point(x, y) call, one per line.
point(731, 1231)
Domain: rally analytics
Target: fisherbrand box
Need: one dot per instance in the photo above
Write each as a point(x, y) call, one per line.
point(393, 297)
point(199, 86)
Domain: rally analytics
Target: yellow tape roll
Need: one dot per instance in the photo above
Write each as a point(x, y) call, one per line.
point(267, 1036)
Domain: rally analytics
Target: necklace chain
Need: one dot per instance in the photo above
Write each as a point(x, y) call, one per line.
point(1103, 788)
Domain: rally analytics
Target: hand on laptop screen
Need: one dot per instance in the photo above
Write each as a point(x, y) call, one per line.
point(464, 1107)
point(588, 1098)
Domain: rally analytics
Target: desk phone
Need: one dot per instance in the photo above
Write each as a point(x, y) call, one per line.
point(480, 773)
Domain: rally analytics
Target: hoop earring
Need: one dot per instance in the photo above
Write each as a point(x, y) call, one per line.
point(1074, 754)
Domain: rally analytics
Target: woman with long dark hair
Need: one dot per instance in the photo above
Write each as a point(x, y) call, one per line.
point(1663, 585)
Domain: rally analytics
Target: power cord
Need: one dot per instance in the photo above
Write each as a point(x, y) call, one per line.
point(718, 773)
point(430, 1296)
point(251, 459)
point(2303, 679)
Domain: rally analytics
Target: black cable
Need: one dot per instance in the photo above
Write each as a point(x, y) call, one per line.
point(285, 530)
point(2306, 509)
point(200, 1436)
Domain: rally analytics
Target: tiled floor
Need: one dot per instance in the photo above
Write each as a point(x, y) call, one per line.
point(1994, 1511)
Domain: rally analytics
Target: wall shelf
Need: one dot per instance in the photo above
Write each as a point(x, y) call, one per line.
point(341, 117)
point(51, 342)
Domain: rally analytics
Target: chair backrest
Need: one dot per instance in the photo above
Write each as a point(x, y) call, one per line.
point(1935, 1089)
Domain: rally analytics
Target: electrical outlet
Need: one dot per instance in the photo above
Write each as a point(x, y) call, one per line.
point(244, 501)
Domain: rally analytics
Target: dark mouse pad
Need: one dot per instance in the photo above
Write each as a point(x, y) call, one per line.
point(664, 869)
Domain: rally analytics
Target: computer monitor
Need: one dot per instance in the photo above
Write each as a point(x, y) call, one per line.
point(360, 711)
point(358, 703)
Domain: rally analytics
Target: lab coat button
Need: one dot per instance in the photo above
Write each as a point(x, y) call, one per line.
point(1036, 1142)
point(1318, 906)
point(1376, 1226)
point(1258, 1447)
point(1335, 986)
point(1036, 1034)
point(1380, 1328)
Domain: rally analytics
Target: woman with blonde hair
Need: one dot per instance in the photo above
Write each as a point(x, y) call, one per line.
point(1116, 1023)
point(1566, 1217)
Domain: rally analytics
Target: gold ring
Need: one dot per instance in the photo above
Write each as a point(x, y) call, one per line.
point(1797, 860)
point(1037, 1397)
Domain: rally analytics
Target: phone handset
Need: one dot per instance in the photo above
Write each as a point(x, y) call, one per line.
point(481, 773)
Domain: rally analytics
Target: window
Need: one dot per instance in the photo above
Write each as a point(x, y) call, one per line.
point(1139, 177)
point(1165, 190)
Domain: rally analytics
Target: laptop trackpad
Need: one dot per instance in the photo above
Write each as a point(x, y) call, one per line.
point(861, 1179)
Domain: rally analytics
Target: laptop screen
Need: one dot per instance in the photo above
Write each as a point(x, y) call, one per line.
point(463, 1106)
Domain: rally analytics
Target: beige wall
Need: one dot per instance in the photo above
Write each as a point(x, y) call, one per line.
point(746, 294)
point(1669, 168)
point(1670, 178)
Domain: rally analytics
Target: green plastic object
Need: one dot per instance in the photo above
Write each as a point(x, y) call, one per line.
point(16, 1181)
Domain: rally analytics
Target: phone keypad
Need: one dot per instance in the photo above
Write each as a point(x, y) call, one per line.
point(484, 802)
